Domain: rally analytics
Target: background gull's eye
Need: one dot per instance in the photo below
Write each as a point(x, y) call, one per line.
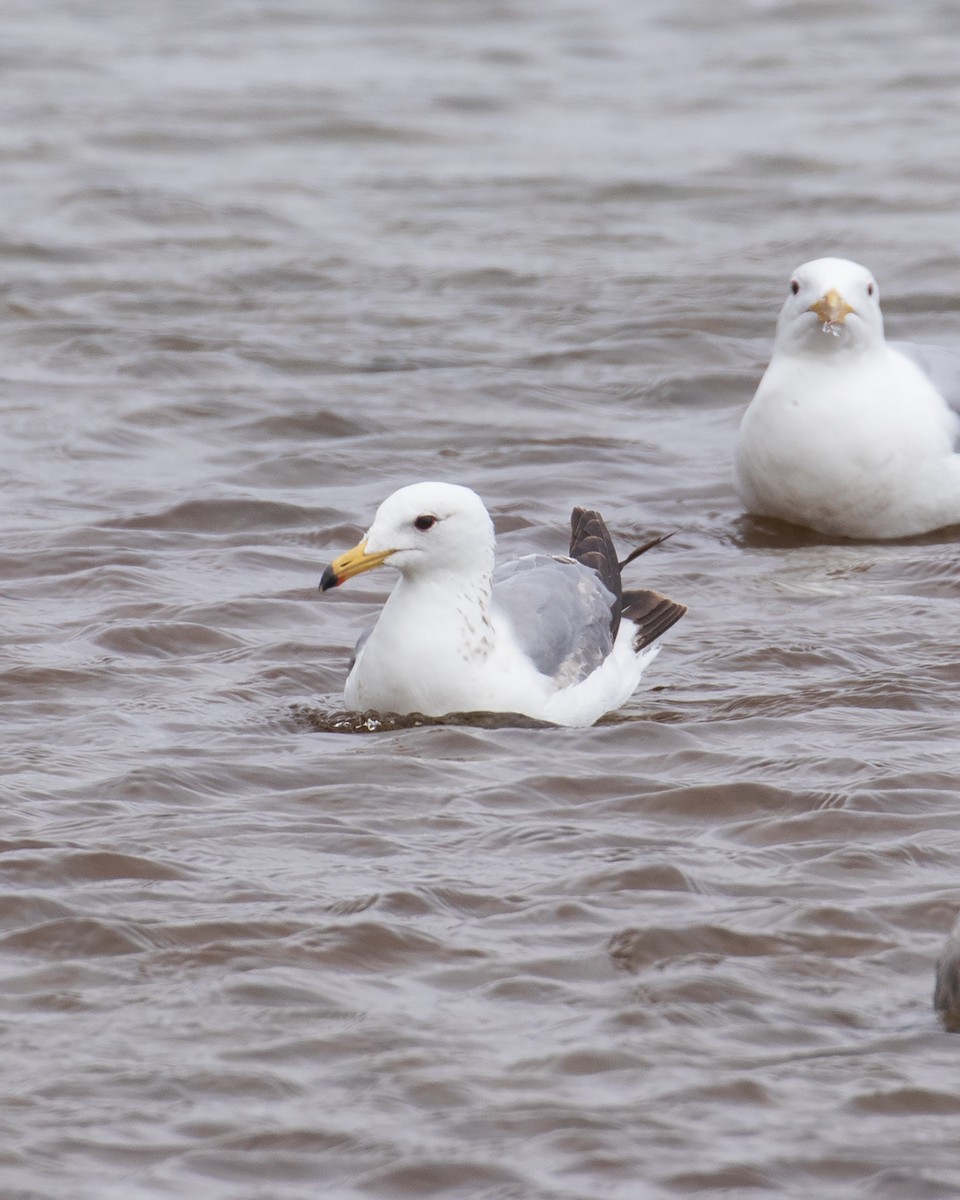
point(794, 286)
point(869, 289)
point(424, 523)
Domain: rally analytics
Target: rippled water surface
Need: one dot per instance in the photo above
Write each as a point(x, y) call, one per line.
point(260, 265)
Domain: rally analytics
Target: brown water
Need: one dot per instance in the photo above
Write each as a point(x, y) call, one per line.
point(261, 264)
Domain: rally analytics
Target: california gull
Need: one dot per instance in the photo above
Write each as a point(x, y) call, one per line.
point(556, 639)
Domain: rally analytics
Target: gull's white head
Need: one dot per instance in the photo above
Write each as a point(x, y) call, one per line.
point(422, 529)
point(832, 305)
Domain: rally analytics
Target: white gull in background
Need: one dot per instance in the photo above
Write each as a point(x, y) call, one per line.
point(555, 639)
point(849, 434)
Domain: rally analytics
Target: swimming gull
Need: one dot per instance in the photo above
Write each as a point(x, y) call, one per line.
point(849, 434)
point(556, 639)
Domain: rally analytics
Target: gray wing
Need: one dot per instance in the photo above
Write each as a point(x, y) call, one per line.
point(559, 612)
point(942, 366)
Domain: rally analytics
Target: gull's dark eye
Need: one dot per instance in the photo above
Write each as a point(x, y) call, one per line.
point(424, 523)
point(794, 286)
point(869, 289)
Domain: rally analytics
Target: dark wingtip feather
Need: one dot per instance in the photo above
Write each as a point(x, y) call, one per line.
point(652, 614)
point(591, 544)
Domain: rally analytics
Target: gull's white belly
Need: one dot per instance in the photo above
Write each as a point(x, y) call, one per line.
point(863, 452)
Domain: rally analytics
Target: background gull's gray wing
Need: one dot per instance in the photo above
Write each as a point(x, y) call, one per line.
point(941, 364)
point(559, 612)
